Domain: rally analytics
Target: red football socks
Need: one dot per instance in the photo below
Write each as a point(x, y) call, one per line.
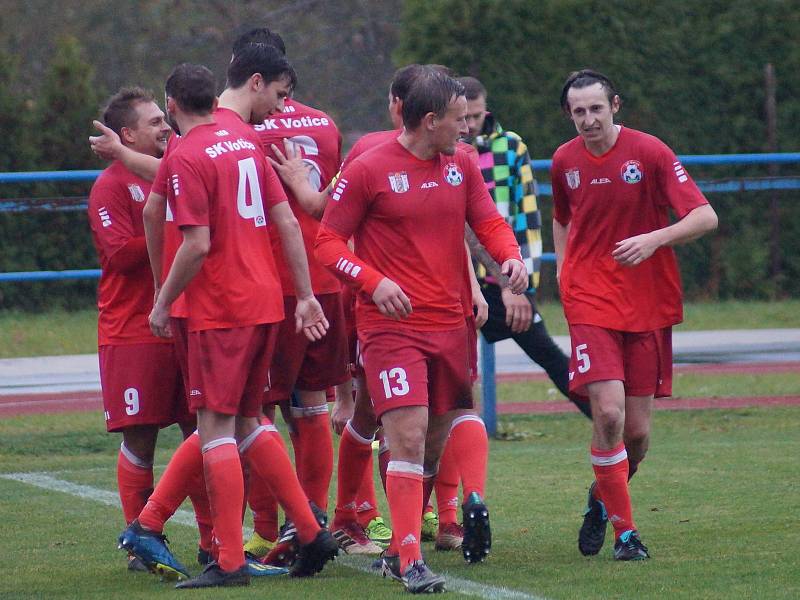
point(446, 486)
point(470, 447)
point(315, 467)
point(225, 484)
point(265, 509)
point(202, 510)
point(404, 489)
point(355, 453)
point(366, 502)
point(611, 473)
point(174, 485)
point(135, 483)
point(384, 458)
point(268, 460)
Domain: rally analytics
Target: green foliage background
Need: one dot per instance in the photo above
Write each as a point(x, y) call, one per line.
point(690, 72)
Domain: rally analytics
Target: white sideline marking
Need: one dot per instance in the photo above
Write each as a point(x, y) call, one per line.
point(185, 517)
point(454, 584)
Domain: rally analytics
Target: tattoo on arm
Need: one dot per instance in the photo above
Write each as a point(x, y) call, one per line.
point(479, 252)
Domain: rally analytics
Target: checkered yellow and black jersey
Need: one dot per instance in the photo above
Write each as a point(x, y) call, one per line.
point(506, 167)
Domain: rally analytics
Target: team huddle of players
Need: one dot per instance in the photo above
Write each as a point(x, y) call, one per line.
point(222, 297)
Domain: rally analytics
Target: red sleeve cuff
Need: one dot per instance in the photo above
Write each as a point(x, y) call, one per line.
point(498, 239)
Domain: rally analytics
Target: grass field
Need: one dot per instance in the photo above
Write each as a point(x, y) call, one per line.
point(717, 502)
point(59, 332)
point(685, 385)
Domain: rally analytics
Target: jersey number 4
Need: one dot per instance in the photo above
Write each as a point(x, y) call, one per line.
point(248, 197)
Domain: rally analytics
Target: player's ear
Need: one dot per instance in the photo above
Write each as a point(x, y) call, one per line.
point(126, 135)
point(430, 121)
point(216, 102)
point(256, 82)
point(615, 104)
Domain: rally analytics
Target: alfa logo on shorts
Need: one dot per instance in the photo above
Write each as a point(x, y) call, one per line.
point(453, 174)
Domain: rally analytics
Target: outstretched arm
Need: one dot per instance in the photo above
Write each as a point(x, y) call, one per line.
point(108, 146)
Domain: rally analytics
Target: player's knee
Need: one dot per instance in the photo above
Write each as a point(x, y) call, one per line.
point(637, 441)
point(608, 416)
point(409, 443)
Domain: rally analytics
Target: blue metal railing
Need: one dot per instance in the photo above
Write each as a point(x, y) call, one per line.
point(538, 164)
point(489, 394)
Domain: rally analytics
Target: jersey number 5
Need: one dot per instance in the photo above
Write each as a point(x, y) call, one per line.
point(398, 387)
point(248, 183)
point(582, 358)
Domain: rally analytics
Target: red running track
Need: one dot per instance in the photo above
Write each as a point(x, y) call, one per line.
point(26, 404)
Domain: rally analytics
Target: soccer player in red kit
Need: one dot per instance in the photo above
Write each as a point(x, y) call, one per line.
point(408, 270)
point(358, 431)
point(222, 185)
point(299, 365)
point(613, 188)
point(138, 371)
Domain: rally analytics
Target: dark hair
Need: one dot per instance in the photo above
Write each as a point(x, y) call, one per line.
point(431, 92)
point(261, 58)
point(585, 78)
point(404, 77)
point(193, 88)
point(402, 80)
point(120, 110)
point(472, 88)
point(257, 35)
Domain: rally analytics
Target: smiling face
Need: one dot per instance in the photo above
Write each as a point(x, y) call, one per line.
point(150, 133)
point(593, 115)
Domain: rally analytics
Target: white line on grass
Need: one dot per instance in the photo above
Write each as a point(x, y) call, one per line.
point(185, 517)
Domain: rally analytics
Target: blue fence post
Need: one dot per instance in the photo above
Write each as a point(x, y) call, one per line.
point(488, 387)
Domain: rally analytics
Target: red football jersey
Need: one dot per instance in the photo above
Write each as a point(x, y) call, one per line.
point(316, 138)
point(376, 138)
point(407, 218)
point(172, 234)
point(605, 199)
point(219, 178)
point(125, 291)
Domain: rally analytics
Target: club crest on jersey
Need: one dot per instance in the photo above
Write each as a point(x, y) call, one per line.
point(136, 192)
point(573, 179)
point(453, 175)
point(632, 172)
point(399, 182)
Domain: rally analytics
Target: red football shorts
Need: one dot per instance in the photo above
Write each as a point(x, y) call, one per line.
point(141, 385)
point(417, 368)
point(180, 339)
point(229, 368)
point(472, 348)
point(305, 365)
point(349, 305)
point(642, 361)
